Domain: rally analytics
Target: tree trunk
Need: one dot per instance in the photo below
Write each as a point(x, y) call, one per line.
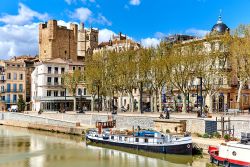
point(184, 107)
point(131, 102)
point(209, 100)
point(139, 103)
point(155, 101)
point(160, 99)
point(92, 103)
point(239, 95)
point(151, 102)
point(74, 107)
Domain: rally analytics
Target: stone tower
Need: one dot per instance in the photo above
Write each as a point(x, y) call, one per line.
point(87, 41)
point(57, 41)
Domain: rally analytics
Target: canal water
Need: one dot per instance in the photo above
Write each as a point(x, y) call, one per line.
point(21, 147)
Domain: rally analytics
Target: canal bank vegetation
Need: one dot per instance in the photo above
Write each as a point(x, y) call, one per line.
point(174, 68)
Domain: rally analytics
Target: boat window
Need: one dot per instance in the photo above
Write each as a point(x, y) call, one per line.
point(112, 137)
point(136, 139)
point(125, 138)
point(120, 138)
point(146, 140)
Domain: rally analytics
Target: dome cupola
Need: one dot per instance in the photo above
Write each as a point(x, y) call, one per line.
point(220, 28)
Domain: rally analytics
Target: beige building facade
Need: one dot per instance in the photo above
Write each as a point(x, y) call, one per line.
point(15, 81)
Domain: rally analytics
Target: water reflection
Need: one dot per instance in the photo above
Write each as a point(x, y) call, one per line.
point(30, 148)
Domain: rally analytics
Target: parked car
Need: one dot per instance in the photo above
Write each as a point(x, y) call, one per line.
point(14, 108)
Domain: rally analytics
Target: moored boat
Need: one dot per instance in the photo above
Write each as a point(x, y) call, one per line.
point(152, 141)
point(232, 153)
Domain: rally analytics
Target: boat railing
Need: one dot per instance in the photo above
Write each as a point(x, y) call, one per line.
point(141, 139)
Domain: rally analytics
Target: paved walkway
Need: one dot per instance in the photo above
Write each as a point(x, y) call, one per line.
point(240, 116)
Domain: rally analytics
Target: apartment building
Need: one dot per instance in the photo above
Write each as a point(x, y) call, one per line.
point(48, 91)
point(15, 81)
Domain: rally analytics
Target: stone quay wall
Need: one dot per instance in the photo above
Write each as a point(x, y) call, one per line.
point(19, 117)
point(193, 125)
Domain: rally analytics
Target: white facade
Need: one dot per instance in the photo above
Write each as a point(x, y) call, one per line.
point(47, 90)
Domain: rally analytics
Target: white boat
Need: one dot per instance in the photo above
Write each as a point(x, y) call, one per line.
point(145, 140)
point(232, 153)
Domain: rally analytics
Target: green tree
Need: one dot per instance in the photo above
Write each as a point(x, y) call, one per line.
point(70, 81)
point(21, 103)
point(240, 57)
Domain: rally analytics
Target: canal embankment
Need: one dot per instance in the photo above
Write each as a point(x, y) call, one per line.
point(72, 123)
point(42, 123)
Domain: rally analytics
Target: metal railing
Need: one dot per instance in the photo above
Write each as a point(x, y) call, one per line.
point(11, 91)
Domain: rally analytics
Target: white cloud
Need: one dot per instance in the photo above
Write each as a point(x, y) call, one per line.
point(82, 14)
point(150, 42)
point(69, 2)
point(197, 32)
point(105, 35)
point(160, 35)
point(101, 20)
point(135, 2)
point(25, 16)
point(18, 40)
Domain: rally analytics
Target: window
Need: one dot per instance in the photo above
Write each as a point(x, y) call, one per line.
point(44, 51)
point(14, 98)
point(20, 87)
point(15, 76)
point(8, 87)
point(74, 68)
point(55, 93)
point(21, 77)
point(2, 88)
point(220, 81)
point(48, 92)
point(84, 91)
point(87, 37)
point(79, 68)
point(8, 75)
point(8, 98)
point(79, 91)
point(62, 93)
point(55, 81)
point(56, 70)
point(49, 70)
point(49, 80)
point(62, 70)
point(14, 87)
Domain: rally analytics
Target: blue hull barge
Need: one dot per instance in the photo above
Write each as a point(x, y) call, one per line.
point(145, 140)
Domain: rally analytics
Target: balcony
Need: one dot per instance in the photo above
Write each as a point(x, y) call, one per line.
point(53, 84)
point(8, 101)
point(2, 80)
point(12, 91)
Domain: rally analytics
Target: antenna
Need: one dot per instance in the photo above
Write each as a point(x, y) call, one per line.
point(220, 19)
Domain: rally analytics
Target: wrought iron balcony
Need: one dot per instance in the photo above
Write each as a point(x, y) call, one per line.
point(11, 91)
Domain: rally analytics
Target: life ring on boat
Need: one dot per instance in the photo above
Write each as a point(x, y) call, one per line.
point(188, 146)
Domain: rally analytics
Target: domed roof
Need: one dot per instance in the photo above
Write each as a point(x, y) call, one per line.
point(220, 27)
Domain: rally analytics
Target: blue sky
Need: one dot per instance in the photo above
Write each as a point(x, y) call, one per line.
point(143, 20)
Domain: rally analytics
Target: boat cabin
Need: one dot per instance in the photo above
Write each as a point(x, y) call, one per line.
point(245, 138)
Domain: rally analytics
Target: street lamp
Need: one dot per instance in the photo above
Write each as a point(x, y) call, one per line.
point(97, 83)
point(65, 99)
point(141, 89)
point(199, 83)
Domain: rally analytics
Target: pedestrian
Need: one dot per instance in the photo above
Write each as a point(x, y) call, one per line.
point(225, 108)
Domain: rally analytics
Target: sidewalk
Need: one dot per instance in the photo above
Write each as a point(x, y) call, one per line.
point(173, 115)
